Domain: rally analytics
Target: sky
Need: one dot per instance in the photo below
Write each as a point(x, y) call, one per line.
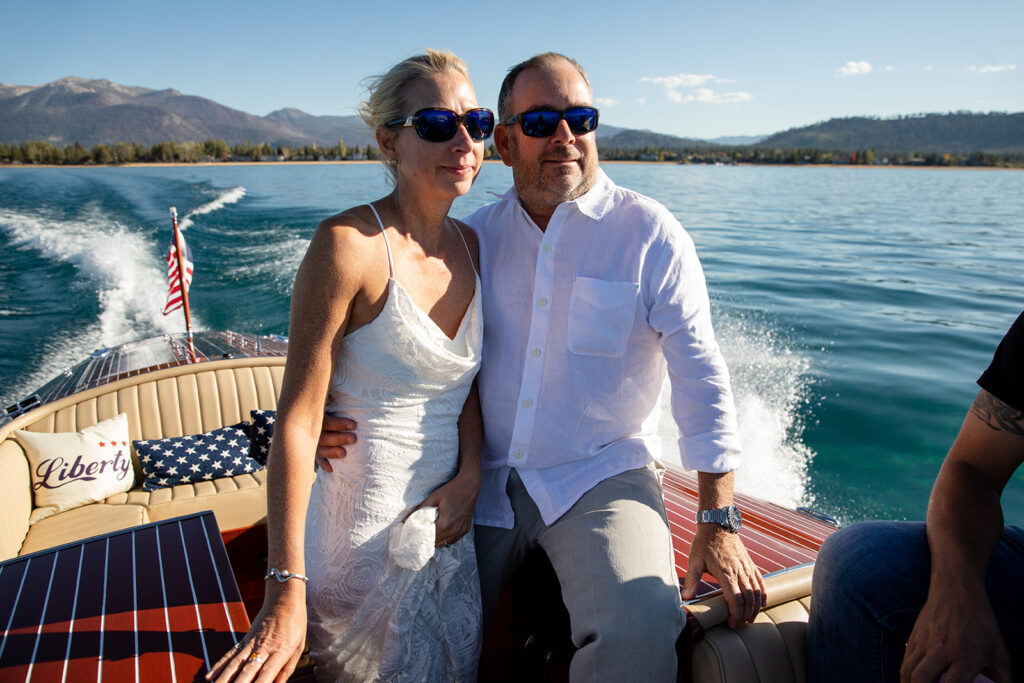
point(692, 69)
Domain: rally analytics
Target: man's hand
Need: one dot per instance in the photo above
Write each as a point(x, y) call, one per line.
point(335, 434)
point(957, 632)
point(454, 502)
point(720, 553)
point(958, 637)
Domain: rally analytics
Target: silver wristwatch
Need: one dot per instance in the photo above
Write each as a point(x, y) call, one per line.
point(728, 517)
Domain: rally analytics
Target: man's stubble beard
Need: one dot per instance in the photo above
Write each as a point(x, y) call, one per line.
point(542, 195)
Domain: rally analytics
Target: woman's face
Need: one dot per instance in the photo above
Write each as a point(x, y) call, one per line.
point(449, 168)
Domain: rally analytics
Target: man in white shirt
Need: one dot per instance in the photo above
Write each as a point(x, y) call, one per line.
point(590, 293)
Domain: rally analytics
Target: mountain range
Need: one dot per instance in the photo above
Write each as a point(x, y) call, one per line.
point(94, 112)
point(953, 133)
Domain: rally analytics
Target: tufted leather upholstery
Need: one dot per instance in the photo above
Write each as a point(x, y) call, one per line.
point(771, 650)
point(166, 403)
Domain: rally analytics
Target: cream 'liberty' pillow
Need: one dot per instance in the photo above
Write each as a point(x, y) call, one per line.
point(71, 469)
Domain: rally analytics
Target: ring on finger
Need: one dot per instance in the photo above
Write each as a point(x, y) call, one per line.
point(256, 657)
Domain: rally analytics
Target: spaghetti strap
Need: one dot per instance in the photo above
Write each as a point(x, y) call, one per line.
point(391, 263)
point(465, 244)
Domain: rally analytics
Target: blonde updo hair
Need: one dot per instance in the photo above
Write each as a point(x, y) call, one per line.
point(385, 100)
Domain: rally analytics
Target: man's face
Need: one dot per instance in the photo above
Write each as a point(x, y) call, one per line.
point(561, 167)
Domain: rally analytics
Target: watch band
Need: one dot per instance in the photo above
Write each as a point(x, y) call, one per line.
point(715, 516)
point(727, 517)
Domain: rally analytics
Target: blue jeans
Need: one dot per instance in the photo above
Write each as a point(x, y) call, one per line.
point(870, 583)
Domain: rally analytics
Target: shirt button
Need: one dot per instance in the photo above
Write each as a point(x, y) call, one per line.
point(542, 302)
point(535, 353)
point(546, 248)
point(518, 455)
point(527, 403)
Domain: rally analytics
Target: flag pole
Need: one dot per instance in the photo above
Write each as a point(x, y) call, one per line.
point(181, 282)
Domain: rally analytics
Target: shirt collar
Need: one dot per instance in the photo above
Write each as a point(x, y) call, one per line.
point(594, 204)
point(598, 200)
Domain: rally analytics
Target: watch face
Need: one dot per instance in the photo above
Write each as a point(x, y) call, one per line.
point(735, 519)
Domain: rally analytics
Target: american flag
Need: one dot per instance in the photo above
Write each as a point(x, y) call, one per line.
point(174, 294)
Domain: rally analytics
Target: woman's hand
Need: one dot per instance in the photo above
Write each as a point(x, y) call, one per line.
point(454, 502)
point(273, 646)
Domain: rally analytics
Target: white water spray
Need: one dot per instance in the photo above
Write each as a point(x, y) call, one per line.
point(228, 197)
point(770, 387)
point(113, 264)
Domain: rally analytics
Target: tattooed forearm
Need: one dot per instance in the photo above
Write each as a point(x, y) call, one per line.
point(997, 415)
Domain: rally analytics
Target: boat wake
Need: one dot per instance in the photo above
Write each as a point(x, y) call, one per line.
point(114, 265)
point(772, 390)
point(227, 197)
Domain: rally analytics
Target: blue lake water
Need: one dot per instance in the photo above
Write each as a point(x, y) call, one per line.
point(855, 306)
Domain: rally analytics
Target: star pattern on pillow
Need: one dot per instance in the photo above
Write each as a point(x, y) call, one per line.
point(261, 432)
point(219, 453)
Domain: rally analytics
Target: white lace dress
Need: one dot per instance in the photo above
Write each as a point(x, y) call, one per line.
point(405, 382)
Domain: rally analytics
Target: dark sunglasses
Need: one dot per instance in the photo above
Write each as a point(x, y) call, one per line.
point(544, 122)
point(440, 125)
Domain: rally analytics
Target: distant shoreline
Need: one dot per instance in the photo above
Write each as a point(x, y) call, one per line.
point(162, 164)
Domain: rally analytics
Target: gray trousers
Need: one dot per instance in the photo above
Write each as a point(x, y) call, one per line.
point(612, 553)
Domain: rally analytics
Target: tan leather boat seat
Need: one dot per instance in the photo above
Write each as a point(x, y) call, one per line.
point(172, 402)
point(237, 502)
point(79, 523)
point(771, 650)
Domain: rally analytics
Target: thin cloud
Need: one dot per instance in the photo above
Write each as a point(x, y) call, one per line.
point(607, 101)
point(640, 101)
point(992, 68)
point(674, 86)
point(705, 96)
point(854, 69)
point(890, 68)
point(681, 80)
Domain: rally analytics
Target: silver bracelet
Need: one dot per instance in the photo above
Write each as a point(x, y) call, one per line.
point(283, 575)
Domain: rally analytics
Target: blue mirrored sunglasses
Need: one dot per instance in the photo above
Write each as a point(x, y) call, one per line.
point(440, 125)
point(542, 123)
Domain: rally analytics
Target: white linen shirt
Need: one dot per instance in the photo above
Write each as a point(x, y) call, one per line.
point(581, 321)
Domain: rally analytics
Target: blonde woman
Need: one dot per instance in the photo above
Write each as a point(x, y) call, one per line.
point(386, 327)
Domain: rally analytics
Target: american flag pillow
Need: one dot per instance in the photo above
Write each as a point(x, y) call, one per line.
point(221, 453)
point(262, 432)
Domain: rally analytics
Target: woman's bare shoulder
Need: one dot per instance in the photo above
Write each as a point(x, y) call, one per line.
point(343, 246)
point(344, 240)
point(350, 225)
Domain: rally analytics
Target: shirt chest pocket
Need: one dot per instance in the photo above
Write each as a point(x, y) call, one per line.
point(601, 316)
